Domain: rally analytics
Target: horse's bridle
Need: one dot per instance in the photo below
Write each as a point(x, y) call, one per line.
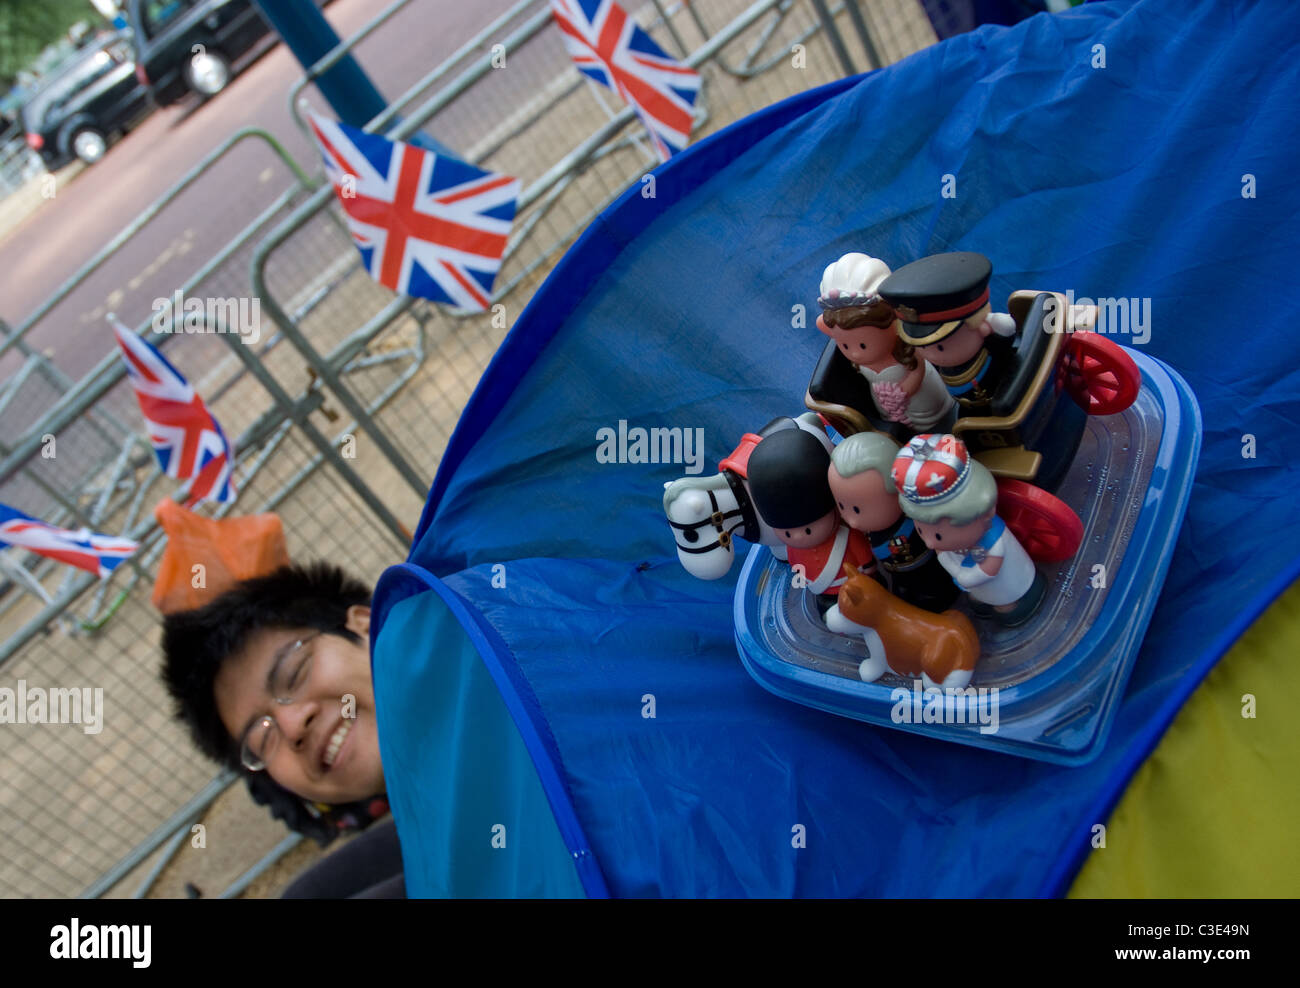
point(744, 511)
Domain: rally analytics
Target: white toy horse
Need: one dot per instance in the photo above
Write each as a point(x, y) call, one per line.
point(707, 513)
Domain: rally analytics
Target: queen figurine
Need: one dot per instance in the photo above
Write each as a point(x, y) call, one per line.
point(952, 498)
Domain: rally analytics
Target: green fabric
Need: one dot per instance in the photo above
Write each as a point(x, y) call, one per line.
point(1213, 812)
point(446, 732)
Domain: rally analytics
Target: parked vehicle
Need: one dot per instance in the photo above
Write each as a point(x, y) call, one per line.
point(191, 45)
point(75, 111)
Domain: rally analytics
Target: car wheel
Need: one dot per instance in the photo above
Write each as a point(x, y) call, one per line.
point(207, 72)
point(89, 144)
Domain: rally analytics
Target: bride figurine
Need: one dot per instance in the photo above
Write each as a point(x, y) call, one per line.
point(865, 328)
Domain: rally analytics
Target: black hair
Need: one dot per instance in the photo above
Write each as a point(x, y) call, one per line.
point(197, 642)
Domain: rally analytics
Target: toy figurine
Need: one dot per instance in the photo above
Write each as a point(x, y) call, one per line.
point(939, 649)
point(943, 302)
point(706, 513)
point(952, 498)
point(788, 481)
point(865, 327)
point(863, 485)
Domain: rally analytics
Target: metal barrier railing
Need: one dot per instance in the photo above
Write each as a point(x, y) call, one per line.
point(399, 369)
point(540, 195)
point(103, 483)
point(19, 164)
point(102, 439)
point(304, 181)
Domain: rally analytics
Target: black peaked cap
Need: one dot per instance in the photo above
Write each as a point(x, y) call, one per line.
point(939, 282)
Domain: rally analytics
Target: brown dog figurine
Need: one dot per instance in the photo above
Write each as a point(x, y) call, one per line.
point(941, 649)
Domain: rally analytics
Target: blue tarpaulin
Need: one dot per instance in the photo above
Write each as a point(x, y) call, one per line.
point(1119, 150)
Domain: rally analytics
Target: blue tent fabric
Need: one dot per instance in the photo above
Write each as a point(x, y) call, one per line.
point(1126, 180)
point(479, 824)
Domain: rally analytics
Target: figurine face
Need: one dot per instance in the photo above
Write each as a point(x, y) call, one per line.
point(810, 535)
point(863, 501)
point(864, 345)
point(962, 344)
point(944, 536)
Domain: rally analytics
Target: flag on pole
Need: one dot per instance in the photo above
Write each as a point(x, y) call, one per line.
point(84, 549)
point(426, 224)
point(186, 437)
point(607, 45)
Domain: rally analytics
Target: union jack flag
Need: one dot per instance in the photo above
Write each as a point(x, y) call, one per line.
point(99, 554)
point(426, 224)
point(608, 46)
point(186, 437)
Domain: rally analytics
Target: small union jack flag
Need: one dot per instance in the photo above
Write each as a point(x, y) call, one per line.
point(186, 437)
point(99, 554)
point(607, 45)
point(426, 224)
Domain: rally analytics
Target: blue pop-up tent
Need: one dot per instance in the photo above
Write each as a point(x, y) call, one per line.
point(562, 709)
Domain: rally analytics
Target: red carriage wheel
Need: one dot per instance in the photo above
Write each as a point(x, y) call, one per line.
point(1100, 377)
point(1046, 526)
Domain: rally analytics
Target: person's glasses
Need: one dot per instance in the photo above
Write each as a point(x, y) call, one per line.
point(289, 671)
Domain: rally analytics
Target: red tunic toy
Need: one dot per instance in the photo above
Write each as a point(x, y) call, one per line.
point(823, 565)
point(789, 486)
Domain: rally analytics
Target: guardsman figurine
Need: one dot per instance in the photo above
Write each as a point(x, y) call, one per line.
point(952, 498)
point(864, 327)
point(787, 481)
point(863, 485)
point(943, 302)
point(708, 513)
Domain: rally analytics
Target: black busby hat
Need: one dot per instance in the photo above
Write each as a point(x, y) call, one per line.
point(933, 295)
point(787, 479)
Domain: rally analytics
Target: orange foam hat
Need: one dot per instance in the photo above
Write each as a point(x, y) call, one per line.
point(228, 550)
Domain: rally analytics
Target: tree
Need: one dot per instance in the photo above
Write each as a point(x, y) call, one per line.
point(27, 26)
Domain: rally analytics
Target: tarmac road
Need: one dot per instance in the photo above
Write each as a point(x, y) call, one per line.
point(39, 254)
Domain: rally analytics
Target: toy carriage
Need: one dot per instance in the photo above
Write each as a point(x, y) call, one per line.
point(1093, 446)
point(1063, 373)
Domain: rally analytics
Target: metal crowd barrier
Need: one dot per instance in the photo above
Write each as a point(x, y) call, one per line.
point(107, 448)
point(63, 829)
point(568, 180)
point(19, 164)
point(82, 816)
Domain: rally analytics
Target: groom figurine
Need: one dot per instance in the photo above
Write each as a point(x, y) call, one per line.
point(943, 302)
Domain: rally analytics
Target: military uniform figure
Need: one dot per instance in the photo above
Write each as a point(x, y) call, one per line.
point(789, 486)
point(862, 483)
point(943, 302)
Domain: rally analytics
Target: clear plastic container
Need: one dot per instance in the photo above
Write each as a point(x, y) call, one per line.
point(1046, 690)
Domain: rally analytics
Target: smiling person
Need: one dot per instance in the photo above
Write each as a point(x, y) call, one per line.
point(272, 678)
